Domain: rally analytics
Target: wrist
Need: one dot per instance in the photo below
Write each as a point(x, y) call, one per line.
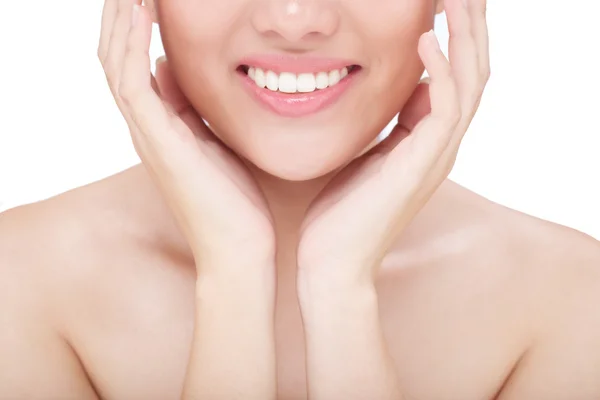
point(235, 277)
point(323, 293)
point(349, 270)
point(233, 260)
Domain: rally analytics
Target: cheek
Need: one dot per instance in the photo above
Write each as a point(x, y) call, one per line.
point(393, 37)
point(193, 40)
point(194, 29)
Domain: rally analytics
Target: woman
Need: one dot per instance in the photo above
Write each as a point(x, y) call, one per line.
point(277, 253)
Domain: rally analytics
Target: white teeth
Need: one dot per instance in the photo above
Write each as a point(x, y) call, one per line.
point(322, 80)
point(306, 83)
point(272, 81)
point(287, 82)
point(259, 78)
point(334, 77)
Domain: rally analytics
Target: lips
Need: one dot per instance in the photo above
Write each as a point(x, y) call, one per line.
point(297, 86)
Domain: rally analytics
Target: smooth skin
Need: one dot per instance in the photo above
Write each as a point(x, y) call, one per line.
point(186, 278)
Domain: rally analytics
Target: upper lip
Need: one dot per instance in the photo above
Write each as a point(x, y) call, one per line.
point(279, 63)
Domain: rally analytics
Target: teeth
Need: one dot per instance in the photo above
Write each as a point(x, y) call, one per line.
point(306, 83)
point(322, 80)
point(259, 78)
point(272, 81)
point(334, 77)
point(287, 82)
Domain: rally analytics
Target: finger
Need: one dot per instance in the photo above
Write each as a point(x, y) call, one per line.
point(432, 134)
point(169, 88)
point(479, 28)
point(161, 133)
point(118, 42)
point(109, 12)
point(462, 51)
point(178, 103)
point(443, 92)
point(416, 108)
point(135, 88)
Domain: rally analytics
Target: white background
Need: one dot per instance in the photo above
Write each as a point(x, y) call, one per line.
point(534, 145)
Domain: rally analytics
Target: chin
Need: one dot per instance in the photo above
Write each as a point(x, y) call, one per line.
point(294, 156)
point(295, 170)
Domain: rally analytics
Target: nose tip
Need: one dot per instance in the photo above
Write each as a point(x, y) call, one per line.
point(296, 20)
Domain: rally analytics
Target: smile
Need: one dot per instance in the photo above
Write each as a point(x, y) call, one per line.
point(296, 89)
point(288, 82)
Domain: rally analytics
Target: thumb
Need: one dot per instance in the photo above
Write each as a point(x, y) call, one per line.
point(169, 88)
point(416, 108)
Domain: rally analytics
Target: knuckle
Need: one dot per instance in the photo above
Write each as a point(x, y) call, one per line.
point(452, 121)
point(487, 73)
point(450, 165)
point(108, 66)
point(474, 97)
point(100, 54)
point(111, 78)
point(127, 93)
point(454, 115)
point(448, 74)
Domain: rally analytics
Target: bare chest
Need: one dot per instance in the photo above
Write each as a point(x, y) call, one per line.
point(451, 336)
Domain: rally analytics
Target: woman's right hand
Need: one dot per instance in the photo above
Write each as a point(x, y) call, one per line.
point(219, 208)
point(212, 195)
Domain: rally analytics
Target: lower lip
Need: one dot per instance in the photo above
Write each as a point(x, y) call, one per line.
point(295, 105)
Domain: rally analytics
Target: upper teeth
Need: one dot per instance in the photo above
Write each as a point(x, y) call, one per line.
point(288, 82)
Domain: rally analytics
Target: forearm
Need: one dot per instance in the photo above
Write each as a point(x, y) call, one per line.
point(233, 350)
point(347, 356)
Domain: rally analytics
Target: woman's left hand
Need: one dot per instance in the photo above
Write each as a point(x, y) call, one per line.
point(354, 221)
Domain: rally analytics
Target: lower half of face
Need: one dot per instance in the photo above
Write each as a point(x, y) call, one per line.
point(297, 87)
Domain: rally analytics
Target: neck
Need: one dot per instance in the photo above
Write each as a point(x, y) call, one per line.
point(288, 200)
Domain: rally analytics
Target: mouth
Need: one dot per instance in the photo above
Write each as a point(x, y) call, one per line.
point(297, 89)
point(291, 83)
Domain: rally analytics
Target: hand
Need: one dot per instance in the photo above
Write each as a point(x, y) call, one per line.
point(354, 221)
point(213, 197)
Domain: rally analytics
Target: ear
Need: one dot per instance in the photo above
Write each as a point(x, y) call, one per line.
point(439, 6)
point(151, 4)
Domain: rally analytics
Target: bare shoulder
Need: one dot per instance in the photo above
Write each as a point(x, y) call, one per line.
point(68, 236)
point(45, 243)
point(66, 265)
point(556, 254)
point(555, 260)
point(557, 281)
point(44, 248)
point(530, 242)
point(57, 230)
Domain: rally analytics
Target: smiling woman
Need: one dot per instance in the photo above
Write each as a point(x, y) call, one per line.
point(207, 46)
point(269, 245)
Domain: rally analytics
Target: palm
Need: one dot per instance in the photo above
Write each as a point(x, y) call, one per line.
point(340, 207)
point(208, 164)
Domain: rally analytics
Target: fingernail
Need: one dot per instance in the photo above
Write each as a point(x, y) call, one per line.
point(135, 14)
point(161, 60)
